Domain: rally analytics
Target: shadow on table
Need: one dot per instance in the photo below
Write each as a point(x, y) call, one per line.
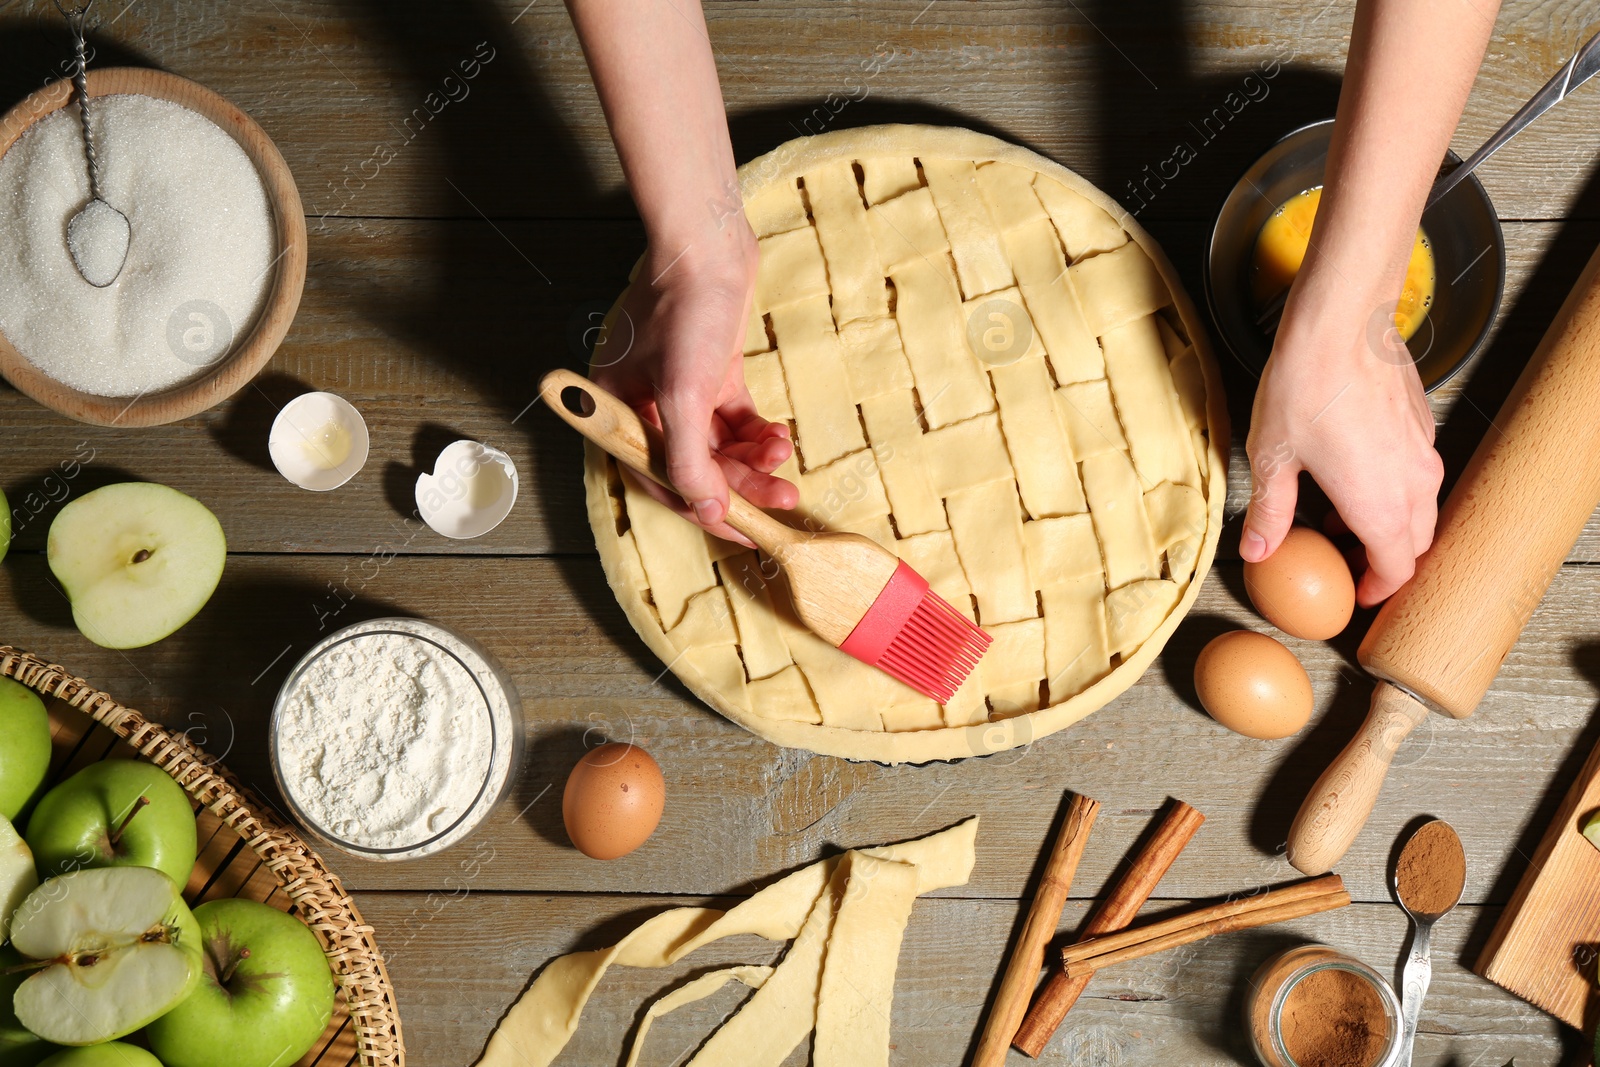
point(552, 754)
point(1517, 335)
point(1227, 1031)
point(513, 281)
point(1313, 749)
point(239, 650)
point(38, 498)
point(36, 49)
point(400, 479)
point(1172, 142)
point(1197, 630)
point(245, 429)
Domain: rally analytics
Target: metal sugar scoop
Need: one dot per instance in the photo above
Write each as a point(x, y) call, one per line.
point(98, 235)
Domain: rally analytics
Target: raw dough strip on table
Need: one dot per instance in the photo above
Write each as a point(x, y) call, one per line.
point(539, 1025)
point(857, 983)
point(697, 989)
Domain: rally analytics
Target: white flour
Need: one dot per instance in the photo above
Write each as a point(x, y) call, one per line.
point(384, 741)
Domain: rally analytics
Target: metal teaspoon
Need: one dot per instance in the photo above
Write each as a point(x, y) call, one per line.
point(98, 235)
point(1433, 850)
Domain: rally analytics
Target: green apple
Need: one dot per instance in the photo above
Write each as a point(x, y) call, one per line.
point(117, 812)
point(18, 877)
point(137, 560)
point(24, 746)
point(266, 997)
point(110, 1054)
point(19, 1046)
point(117, 949)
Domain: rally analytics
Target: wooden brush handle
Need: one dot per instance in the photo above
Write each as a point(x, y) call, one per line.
point(1338, 805)
point(1508, 525)
point(617, 428)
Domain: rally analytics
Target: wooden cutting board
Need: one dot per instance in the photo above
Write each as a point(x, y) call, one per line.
point(1545, 946)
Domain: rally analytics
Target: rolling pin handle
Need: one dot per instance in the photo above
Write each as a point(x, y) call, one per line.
point(1338, 805)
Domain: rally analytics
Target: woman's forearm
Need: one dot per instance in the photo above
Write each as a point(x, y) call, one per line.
point(1411, 67)
point(653, 67)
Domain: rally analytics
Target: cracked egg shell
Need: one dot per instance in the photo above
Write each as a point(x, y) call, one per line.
point(470, 492)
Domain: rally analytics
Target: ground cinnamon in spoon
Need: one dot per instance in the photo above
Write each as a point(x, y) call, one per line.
point(1431, 870)
point(1333, 1018)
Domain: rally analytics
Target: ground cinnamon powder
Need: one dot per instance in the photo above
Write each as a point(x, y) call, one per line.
point(1431, 870)
point(1333, 1018)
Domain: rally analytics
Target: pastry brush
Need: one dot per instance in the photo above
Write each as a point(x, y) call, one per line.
point(847, 589)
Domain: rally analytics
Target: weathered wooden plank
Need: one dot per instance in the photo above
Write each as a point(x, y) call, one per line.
point(370, 103)
point(440, 329)
point(434, 331)
point(739, 808)
point(458, 964)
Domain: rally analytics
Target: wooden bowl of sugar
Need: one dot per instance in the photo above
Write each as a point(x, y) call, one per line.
point(215, 267)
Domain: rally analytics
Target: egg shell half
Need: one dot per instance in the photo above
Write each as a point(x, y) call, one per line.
point(293, 441)
point(471, 490)
point(1253, 685)
point(613, 800)
point(1305, 588)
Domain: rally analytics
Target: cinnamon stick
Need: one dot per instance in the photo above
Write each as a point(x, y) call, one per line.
point(1278, 905)
point(1027, 955)
point(1120, 907)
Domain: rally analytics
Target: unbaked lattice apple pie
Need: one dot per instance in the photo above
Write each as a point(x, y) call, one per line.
point(991, 370)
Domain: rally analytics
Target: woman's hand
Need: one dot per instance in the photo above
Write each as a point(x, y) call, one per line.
point(685, 317)
point(682, 364)
point(1344, 404)
point(1340, 398)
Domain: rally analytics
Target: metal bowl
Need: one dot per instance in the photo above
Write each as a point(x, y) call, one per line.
point(1469, 253)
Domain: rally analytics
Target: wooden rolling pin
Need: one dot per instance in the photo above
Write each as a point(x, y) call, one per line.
point(1504, 531)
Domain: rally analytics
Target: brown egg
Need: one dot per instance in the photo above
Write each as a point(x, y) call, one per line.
point(1304, 588)
point(1253, 685)
point(613, 800)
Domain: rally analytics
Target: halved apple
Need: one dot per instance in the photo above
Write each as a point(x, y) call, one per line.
point(18, 877)
point(118, 949)
point(111, 1054)
point(18, 1047)
point(137, 560)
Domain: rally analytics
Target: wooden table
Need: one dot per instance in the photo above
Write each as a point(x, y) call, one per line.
point(464, 235)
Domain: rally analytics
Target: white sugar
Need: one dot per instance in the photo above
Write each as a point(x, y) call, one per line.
point(98, 238)
point(198, 262)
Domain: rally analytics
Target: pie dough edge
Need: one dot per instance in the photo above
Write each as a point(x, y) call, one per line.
point(787, 161)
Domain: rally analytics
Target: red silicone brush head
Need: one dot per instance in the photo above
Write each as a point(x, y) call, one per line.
point(911, 633)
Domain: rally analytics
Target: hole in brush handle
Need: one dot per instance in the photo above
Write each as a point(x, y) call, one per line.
point(578, 401)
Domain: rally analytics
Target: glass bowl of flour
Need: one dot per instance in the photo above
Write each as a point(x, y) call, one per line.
point(394, 739)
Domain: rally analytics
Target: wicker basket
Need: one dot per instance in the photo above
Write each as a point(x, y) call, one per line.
point(245, 851)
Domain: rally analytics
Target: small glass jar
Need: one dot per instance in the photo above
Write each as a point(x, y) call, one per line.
point(1276, 979)
point(495, 698)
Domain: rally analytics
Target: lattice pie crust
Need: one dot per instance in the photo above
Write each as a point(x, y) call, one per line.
point(990, 369)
